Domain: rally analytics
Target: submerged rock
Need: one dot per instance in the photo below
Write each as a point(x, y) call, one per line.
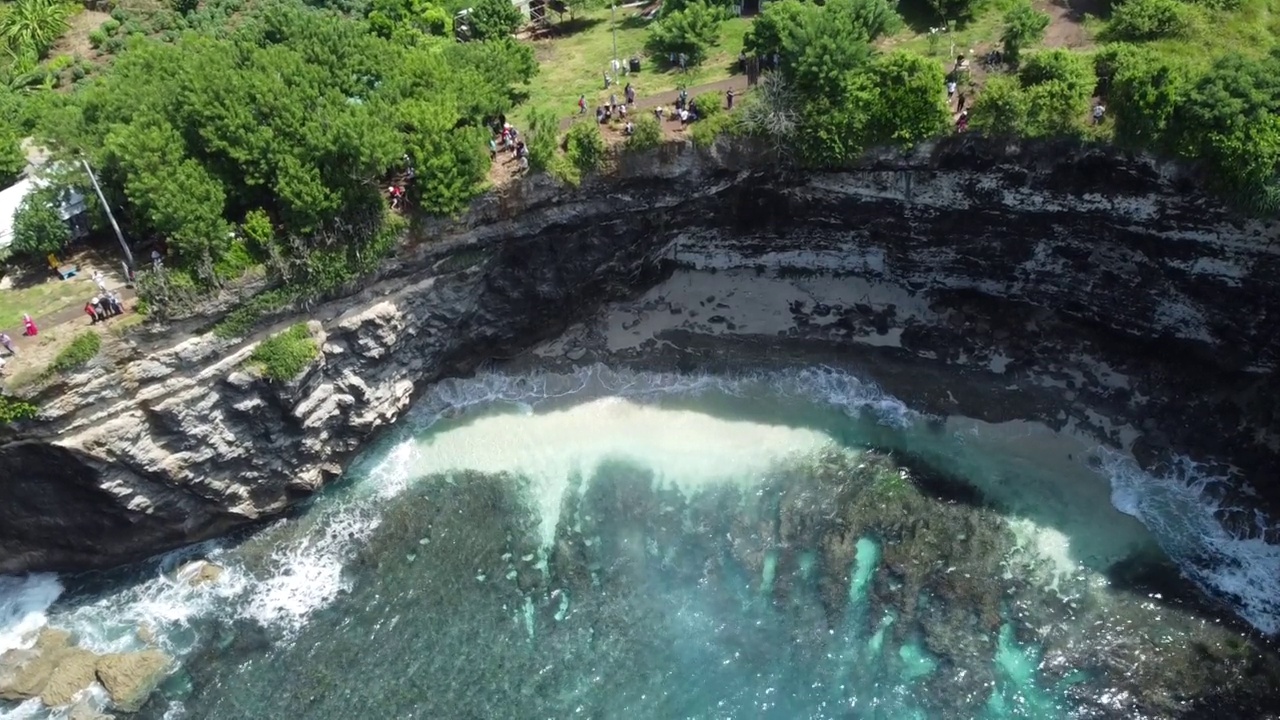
point(130, 678)
point(199, 572)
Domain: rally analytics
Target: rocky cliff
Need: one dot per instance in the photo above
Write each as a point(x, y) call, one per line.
point(1025, 257)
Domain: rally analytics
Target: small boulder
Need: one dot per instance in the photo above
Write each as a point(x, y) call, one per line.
point(199, 572)
point(130, 678)
point(25, 673)
point(73, 672)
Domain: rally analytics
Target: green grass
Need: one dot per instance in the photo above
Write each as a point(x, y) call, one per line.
point(283, 356)
point(83, 348)
point(573, 64)
point(1252, 29)
point(40, 300)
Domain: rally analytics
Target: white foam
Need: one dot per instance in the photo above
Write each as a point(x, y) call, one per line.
point(23, 603)
point(1181, 514)
point(682, 448)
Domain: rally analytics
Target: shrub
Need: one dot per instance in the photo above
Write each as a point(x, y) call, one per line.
point(1001, 107)
point(240, 321)
point(585, 146)
point(13, 409)
point(1023, 26)
point(283, 356)
point(1150, 20)
point(647, 133)
point(258, 231)
point(233, 262)
point(710, 104)
point(109, 27)
point(544, 126)
point(703, 133)
point(83, 348)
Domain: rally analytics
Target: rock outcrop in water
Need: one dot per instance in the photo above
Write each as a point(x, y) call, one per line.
point(56, 671)
point(1027, 255)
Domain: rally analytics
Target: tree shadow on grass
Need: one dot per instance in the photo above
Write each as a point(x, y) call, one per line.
point(573, 26)
point(634, 22)
point(919, 15)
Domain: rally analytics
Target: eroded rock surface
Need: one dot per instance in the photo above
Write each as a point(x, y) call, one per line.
point(182, 442)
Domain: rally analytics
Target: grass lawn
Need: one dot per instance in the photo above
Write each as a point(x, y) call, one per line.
point(1252, 29)
point(41, 300)
point(573, 64)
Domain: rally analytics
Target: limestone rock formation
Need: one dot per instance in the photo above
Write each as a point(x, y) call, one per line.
point(178, 442)
point(130, 678)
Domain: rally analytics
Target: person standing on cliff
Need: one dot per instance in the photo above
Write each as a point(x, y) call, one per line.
point(728, 96)
point(582, 104)
point(7, 342)
point(630, 94)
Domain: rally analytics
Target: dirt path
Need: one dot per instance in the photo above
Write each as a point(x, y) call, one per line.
point(35, 353)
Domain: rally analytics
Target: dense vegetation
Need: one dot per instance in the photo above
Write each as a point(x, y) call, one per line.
point(261, 135)
point(271, 141)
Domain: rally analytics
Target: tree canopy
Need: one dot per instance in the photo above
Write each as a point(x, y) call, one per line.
point(38, 227)
point(297, 114)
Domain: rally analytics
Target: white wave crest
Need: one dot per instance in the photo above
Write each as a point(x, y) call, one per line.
point(1182, 515)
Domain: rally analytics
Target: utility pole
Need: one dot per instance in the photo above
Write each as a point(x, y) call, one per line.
point(119, 235)
point(613, 6)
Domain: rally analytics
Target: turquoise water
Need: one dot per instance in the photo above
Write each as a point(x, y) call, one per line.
point(616, 545)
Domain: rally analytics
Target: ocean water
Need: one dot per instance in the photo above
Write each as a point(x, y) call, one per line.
point(612, 544)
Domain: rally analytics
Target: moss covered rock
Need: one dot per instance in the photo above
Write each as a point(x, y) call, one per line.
point(130, 678)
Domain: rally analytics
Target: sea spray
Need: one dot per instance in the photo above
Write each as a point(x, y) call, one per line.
point(23, 602)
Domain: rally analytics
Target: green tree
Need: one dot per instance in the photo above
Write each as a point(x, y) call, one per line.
point(408, 21)
point(32, 26)
point(180, 200)
point(449, 161)
point(494, 19)
point(774, 28)
point(1023, 27)
point(829, 45)
point(908, 107)
point(38, 228)
point(693, 30)
point(1001, 107)
point(1150, 20)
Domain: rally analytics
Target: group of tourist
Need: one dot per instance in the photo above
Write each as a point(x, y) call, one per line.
point(503, 137)
point(105, 304)
point(686, 110)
